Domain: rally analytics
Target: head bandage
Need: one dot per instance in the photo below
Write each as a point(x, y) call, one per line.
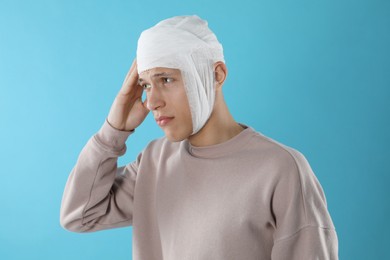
point(185, 43)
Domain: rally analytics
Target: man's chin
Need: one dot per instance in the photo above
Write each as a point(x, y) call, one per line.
point(175, 137)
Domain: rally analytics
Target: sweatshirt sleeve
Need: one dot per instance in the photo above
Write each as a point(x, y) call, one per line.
point(304, 228)
point(99, 195)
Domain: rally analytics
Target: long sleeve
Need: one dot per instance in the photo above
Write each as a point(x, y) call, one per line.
point(304, 229)
point(99, 195)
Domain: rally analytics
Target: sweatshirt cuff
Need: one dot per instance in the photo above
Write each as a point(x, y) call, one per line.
point(112, 137)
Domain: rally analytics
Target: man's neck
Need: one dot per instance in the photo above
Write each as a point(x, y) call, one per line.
point(220, 127)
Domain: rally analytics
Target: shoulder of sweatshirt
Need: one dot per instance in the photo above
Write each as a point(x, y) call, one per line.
point(291, 167)
point(267, 149)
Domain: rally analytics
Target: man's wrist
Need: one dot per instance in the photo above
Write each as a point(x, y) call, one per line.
point(112, 137)
point(118, 128)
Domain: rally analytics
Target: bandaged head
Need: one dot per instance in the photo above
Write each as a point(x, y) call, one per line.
point(185, 43)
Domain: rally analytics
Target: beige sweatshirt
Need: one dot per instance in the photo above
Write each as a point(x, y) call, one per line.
point(247, 198)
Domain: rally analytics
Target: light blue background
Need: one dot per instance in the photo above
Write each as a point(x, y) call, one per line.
point(314, 75)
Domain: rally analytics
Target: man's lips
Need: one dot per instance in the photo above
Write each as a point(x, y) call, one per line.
point(163, 120)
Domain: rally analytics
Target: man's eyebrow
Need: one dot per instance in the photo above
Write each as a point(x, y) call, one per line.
point(161, 74)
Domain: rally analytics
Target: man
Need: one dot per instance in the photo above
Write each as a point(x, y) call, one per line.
point(211, 188)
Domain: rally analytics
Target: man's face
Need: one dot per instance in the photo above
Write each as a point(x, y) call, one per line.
point(167, 99)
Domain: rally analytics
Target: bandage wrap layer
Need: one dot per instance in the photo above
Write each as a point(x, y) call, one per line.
point(185, 43)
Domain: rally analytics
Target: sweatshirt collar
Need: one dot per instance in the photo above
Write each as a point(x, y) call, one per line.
point(234, 144)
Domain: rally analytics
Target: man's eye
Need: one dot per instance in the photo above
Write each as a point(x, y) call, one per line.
point(146, 86)
point(167, 80)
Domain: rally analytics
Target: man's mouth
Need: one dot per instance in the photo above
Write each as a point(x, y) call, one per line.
point(163, 120)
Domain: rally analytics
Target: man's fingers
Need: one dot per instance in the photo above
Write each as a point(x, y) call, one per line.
point(138, 92)
point(131, 80)
point(132, 68)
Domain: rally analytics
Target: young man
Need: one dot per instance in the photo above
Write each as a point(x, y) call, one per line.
point(211, 188)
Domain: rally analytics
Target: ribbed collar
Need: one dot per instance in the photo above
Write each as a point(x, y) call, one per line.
point(219, 150)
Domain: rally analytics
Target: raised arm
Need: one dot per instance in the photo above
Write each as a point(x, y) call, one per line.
point(98, 194)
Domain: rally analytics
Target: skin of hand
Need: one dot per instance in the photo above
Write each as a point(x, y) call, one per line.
point(128, 110)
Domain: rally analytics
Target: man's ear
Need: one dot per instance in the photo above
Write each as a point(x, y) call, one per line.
point(220, 73)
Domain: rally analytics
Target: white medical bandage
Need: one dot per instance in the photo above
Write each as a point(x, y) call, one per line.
point(185, 43)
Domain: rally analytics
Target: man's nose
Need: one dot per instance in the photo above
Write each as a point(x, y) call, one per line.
point(154, 98)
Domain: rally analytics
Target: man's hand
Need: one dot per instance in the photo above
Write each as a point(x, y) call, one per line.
point(128, 111)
